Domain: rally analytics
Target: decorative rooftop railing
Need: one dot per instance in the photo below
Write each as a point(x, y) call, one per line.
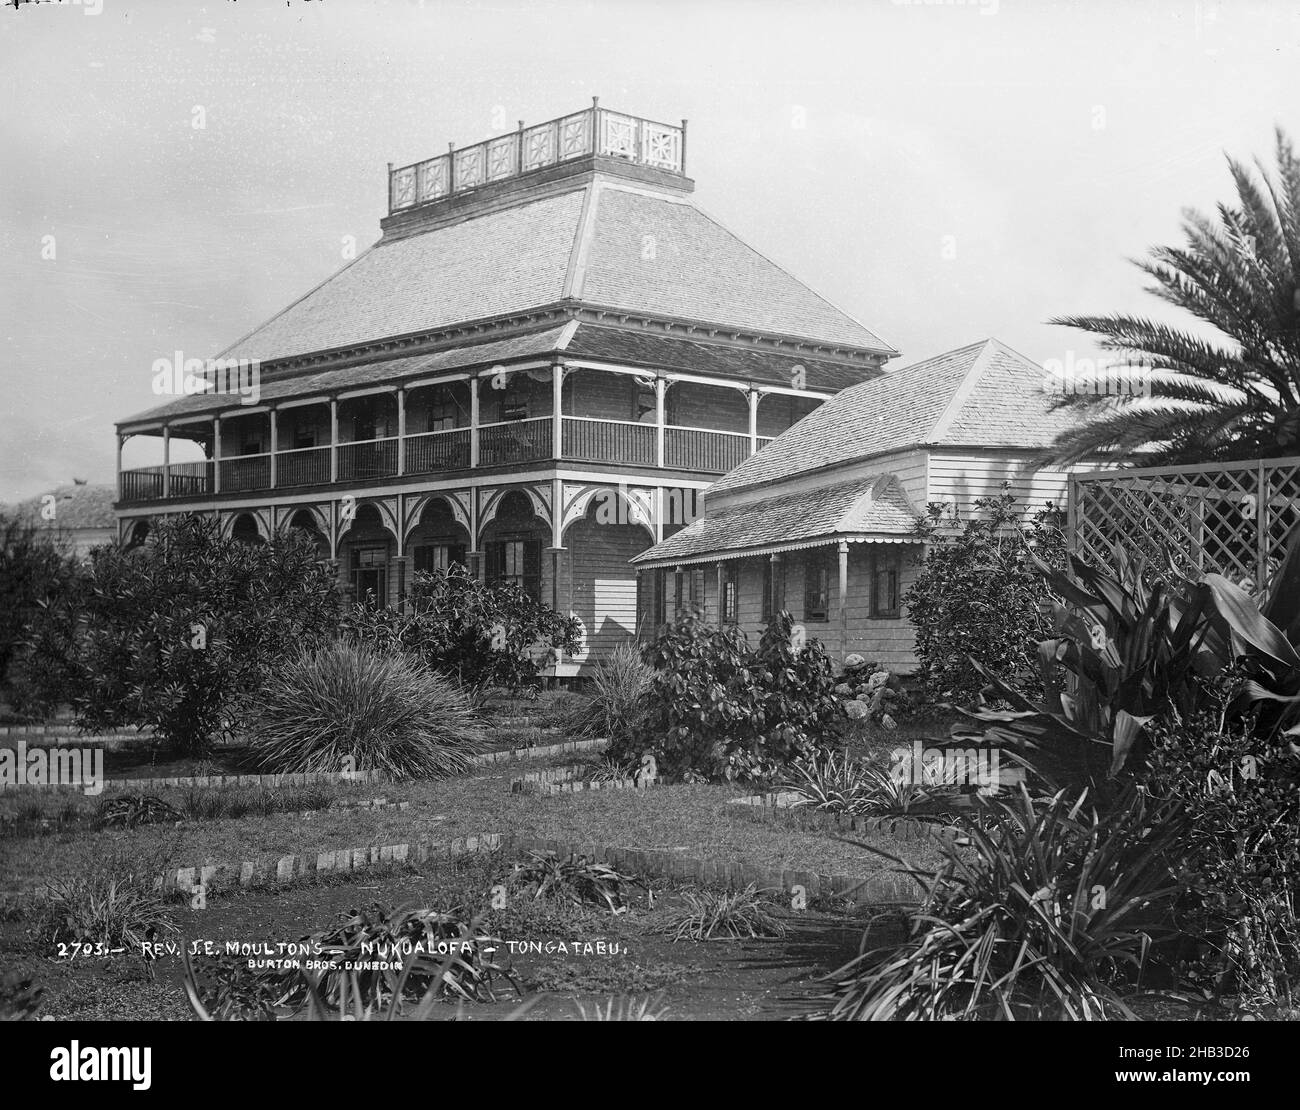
point(594, 130)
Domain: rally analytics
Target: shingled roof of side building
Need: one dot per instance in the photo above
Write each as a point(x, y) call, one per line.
point(981, 395)
point(874, 507)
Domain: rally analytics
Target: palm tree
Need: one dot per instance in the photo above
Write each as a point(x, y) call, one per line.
point(1231, 396)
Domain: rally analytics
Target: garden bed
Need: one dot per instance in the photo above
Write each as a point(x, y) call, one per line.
point(696, 820)
point(755, 979)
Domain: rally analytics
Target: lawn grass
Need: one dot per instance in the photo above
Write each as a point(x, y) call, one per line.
point(696, 819)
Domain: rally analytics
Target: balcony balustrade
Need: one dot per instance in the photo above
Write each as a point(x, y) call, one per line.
point(302, 466)
point(372, 458)
point(583, 439)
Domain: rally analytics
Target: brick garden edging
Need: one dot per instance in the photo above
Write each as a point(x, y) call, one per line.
point(776, 807)
point(305, 778)
point(660, 863)
point(567, 780)
point(62, 732)
point(541, 751)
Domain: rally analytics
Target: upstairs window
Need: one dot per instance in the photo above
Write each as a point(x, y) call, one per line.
point(645, 404)
point(442, 414)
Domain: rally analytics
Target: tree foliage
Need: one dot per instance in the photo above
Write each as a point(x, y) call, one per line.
point(1229, 391)
point(980, 596)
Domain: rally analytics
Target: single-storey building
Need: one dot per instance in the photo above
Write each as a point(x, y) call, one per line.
point(823, 520)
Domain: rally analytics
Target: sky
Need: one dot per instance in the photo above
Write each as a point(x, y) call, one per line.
point(944, 172)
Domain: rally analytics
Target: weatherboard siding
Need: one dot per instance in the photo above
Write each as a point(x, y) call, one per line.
point(966, 476)
point(890, 642)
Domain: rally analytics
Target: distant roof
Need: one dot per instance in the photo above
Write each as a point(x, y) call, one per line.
point(872, 508)
point(981, 395)
point(75, 507)
point(600, 243)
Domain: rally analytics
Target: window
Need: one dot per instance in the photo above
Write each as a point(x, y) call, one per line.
point(661, 597)
point(773, 587)
point(304, 435)
point(730, 601)
point(817, 585)
point(885, 602)
point(442, 414)
point(516, 560)
point(436, 558)
point(369, 573)
point(644, 403)
point(513, 403)
point(688, 590)
point(363, 425)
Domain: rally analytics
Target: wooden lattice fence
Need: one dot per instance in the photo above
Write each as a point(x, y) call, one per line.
point(1233, 518)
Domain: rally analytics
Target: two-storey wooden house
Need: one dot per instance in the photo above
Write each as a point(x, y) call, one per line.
point(545, 356)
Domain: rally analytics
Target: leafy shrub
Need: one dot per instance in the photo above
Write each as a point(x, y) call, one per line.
point(133, 810)
point(1135, 648)
point(481, 635)
point(720, 710)
point(175, 634)
point(617, 698)
point(1045, 911)
point(739, 914)
point(979, 596)
point(34, 572)
point(577, 880)
point(350, 708)
point(1241, 853)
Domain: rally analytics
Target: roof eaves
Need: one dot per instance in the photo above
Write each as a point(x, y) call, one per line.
point(649, 561)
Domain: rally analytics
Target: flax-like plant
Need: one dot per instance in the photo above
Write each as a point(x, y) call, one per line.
point(1045, 911)
point(738, 914)
point(352, 708)
point(577, 880)
point(625, 1009)
point(838, 784)
point(617, 698)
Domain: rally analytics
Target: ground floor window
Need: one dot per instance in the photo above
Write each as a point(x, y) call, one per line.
point(886, 572)
point(729, 602)
point(369, 574)
point(517, 560)
point(817, 585)
point(688, 590)
point(773, 587)
point(436, 558)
